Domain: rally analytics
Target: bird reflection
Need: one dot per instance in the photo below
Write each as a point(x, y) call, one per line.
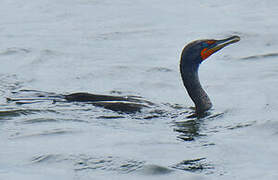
point(188, 130)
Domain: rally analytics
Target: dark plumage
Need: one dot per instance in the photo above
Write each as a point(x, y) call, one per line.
point(192, 56)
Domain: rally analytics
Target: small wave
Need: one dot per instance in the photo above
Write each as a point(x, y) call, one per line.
point(159, 69)
point(108, 163)
point(85, 162)
point(51, 120)
point(49, 158)
point(269, 55)
point(14, 50)
point(240, 125)
point(52, 132)
point(121, 34)
point(110, 117)
point(34, 93)
point(194, 165)
point(18, 112)
point(9, 82)
point(152, 169)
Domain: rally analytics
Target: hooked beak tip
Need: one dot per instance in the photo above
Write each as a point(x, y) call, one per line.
point(225, 42)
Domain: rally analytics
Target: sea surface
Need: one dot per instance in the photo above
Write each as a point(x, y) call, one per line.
point(132, 48)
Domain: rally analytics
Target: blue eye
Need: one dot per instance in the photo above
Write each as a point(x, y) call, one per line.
point(205, 45)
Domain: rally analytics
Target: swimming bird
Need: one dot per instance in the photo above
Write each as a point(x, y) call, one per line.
point(192, 56)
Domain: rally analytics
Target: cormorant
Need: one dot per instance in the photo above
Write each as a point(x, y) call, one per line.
point(192, 56)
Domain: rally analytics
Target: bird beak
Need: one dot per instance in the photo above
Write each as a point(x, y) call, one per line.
point(219, 44)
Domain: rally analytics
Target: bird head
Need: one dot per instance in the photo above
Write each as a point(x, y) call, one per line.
point(197, 51)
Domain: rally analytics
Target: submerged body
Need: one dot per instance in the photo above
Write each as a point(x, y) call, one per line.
point(124, 104)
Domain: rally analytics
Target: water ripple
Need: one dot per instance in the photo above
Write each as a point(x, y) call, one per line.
point(261, 56)
point(194, 165)
point(85, 162)
point(14, 50)
point(52, 132)
point(9, 113)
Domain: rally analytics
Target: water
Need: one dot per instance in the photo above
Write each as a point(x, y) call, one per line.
point(133, 48)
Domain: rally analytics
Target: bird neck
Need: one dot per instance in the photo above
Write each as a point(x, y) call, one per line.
point(192, 84)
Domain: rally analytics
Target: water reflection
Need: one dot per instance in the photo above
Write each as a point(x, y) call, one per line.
point(188, 130)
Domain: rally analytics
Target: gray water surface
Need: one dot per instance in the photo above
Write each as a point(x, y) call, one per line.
point(133, 48)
